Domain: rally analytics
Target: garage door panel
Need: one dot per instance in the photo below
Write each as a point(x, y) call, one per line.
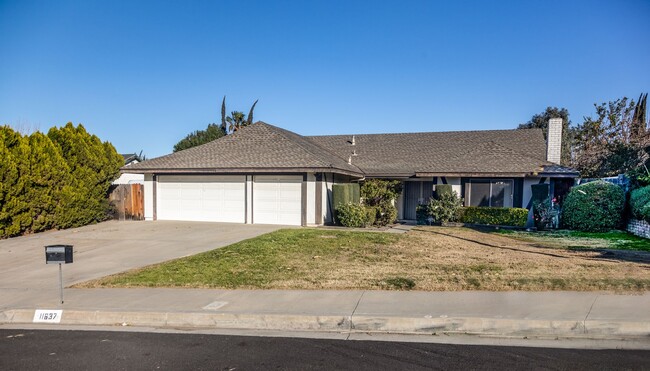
point(277, 200)
point(201, 198)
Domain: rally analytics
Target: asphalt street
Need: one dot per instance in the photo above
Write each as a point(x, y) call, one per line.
point(97, 350)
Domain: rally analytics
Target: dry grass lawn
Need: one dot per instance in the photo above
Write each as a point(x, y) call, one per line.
point(427, 258)
point(460, 259)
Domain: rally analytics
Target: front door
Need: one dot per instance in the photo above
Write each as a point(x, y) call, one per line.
point(415, 193)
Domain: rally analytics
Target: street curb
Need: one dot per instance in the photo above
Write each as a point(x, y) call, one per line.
point(188, 320)
point(494, 327)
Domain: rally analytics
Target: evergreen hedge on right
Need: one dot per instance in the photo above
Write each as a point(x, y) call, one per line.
point(640, 203)
point(594, 207)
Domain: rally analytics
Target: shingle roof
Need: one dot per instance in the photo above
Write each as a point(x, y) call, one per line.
point(259, 147)
point(265, 148)
point(519, 151)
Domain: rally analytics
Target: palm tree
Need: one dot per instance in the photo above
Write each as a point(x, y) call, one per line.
point(236, 120)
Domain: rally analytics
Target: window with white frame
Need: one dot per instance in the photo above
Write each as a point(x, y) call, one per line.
point(489, 192)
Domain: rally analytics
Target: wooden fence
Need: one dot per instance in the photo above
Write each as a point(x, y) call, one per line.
point(128, 201)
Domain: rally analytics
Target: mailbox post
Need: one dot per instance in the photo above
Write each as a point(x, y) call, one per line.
point(59, 254)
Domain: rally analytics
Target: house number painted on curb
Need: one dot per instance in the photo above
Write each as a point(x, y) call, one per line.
point(48, 315)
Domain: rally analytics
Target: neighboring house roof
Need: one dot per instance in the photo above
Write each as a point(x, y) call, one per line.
point(265, 148)
point(130, 158)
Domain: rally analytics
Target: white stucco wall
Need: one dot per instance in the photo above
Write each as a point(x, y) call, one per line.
point(126, 178)
point(455, 185)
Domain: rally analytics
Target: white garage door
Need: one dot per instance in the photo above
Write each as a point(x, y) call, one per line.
point(201, 198)
point(277, 199)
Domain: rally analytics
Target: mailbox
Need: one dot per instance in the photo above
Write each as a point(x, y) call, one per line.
point(58, 254)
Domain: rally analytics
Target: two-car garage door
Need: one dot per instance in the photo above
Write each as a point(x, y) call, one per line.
point(275, 199)
point(201, 198)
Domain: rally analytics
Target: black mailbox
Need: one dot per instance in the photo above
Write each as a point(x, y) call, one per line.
point(58, 254)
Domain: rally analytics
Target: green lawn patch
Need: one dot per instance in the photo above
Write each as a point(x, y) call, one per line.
point(615, 240)
point(282, 256)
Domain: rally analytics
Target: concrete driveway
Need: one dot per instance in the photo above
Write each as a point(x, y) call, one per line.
point(109, 248)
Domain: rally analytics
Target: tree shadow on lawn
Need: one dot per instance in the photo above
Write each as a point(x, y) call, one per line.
point(640, 257)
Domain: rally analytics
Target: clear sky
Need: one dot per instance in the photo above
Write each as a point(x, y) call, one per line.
point(143, 74)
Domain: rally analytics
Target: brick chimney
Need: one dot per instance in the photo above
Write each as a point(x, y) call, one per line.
point(554, 140)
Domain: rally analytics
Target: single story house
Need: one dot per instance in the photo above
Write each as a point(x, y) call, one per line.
point(267, 175)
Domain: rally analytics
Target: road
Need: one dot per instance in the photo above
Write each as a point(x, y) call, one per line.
point(97, 350)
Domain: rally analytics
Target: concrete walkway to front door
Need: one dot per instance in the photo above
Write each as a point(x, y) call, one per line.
point(112, 247)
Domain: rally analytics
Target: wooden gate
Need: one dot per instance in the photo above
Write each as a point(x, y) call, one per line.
point(128, 201)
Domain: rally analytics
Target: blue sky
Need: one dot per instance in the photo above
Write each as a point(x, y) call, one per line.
point(143, 74)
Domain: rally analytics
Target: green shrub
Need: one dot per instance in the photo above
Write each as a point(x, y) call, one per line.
point(351, 215)
point(640, 203)
point(444, 208)
point(594, 207)
point(639, 177)
point(422, 214)
point(371, 215)
point(442, 190)
point(386, 213)
point(375, 191)
point(380, 194)
point(511, 216)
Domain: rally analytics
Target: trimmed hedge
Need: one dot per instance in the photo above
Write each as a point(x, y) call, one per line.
point(594, 207)
point(510, 216)
point(345, 193)
point(640, 203)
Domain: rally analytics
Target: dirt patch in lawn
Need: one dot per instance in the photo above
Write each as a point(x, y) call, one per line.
point(427, 258)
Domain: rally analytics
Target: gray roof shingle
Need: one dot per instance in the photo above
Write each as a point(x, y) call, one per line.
point(265, 148)
point(518, 151)
point(259, 147)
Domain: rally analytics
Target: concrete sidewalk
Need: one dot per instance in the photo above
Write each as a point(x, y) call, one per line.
point(504, 314)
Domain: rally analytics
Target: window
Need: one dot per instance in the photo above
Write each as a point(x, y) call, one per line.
point(489, 192)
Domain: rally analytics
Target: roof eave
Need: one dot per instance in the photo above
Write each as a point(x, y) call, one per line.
point(473, 174)
point(243, 170)
point(559, 175)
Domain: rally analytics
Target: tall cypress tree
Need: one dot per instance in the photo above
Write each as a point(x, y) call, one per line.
point(14, 181)
point(93, 166)
point(49, 176)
